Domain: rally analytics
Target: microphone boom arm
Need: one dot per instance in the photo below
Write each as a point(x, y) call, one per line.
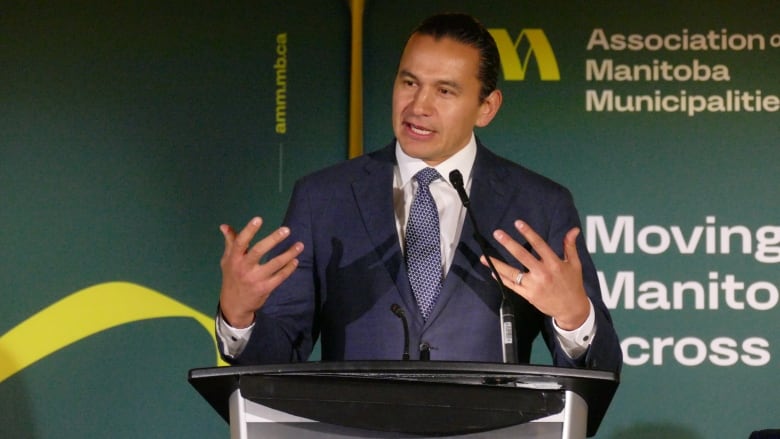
point(507, 314)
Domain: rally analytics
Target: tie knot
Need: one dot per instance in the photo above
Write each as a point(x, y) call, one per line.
point(426, 176)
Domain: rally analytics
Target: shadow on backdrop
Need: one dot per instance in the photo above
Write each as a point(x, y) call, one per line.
point(656, 431)
point(15, 409)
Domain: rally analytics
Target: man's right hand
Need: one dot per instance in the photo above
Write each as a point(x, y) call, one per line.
point(246, 283)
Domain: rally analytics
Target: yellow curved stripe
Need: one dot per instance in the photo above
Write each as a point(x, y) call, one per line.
point(85, 313)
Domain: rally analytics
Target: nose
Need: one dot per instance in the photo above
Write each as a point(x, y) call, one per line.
point(421, 103)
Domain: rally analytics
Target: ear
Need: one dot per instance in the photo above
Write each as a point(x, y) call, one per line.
point(489, 108)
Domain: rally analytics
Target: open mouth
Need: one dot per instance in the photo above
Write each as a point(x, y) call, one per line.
point(418, 130)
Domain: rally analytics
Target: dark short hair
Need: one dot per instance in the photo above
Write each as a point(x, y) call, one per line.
point(466, 29)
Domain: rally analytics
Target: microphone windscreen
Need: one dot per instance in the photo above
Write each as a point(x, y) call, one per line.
point(456, 178)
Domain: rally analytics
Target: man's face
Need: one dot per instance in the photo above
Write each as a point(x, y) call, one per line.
point(436, 101)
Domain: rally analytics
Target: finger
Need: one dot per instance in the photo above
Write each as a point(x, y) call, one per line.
point(286, 269)
point(241, 243)
point(539, 245)
point(230, 235)
point(507, 272)
point(266, 244)
point(280, 261)
point(570, 253)
point(515, 249)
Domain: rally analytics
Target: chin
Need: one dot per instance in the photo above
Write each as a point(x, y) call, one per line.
point(418, 152)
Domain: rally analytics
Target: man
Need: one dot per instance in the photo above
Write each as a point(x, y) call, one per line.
point(355, 237)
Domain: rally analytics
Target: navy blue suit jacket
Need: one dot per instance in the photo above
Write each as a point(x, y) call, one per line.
point(352, 271)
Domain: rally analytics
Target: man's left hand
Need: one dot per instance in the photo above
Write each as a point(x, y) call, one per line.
point(551, 284)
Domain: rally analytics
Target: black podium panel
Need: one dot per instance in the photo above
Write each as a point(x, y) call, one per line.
point(413, 407)
point(415, 398)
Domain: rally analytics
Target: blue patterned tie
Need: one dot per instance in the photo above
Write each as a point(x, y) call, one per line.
point(423, 248)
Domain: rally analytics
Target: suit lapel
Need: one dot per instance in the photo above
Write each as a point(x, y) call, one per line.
point(490, 192)
point(374, 198)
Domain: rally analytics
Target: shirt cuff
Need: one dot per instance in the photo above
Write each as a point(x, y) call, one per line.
point(575, 342)
point(233, 340)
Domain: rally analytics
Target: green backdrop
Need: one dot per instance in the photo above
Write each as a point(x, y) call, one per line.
point(130, 131)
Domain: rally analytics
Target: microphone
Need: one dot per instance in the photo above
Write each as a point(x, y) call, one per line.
point(399, 312)
point(507, 313)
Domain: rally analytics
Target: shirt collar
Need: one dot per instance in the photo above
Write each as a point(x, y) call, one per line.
point(462, 160)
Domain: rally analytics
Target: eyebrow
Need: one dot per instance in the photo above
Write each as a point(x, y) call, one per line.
point(442, 82)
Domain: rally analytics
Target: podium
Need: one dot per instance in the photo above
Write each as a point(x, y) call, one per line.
point(407, 399)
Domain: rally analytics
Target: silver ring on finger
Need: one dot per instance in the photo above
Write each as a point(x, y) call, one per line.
point(519, 277)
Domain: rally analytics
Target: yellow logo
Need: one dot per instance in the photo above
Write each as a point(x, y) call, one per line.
point(514, 66)
point(85, 313)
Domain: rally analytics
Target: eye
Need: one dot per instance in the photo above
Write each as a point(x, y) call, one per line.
point(447, 92)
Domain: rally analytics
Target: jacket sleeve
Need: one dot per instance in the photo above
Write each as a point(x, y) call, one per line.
point(604, 352)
